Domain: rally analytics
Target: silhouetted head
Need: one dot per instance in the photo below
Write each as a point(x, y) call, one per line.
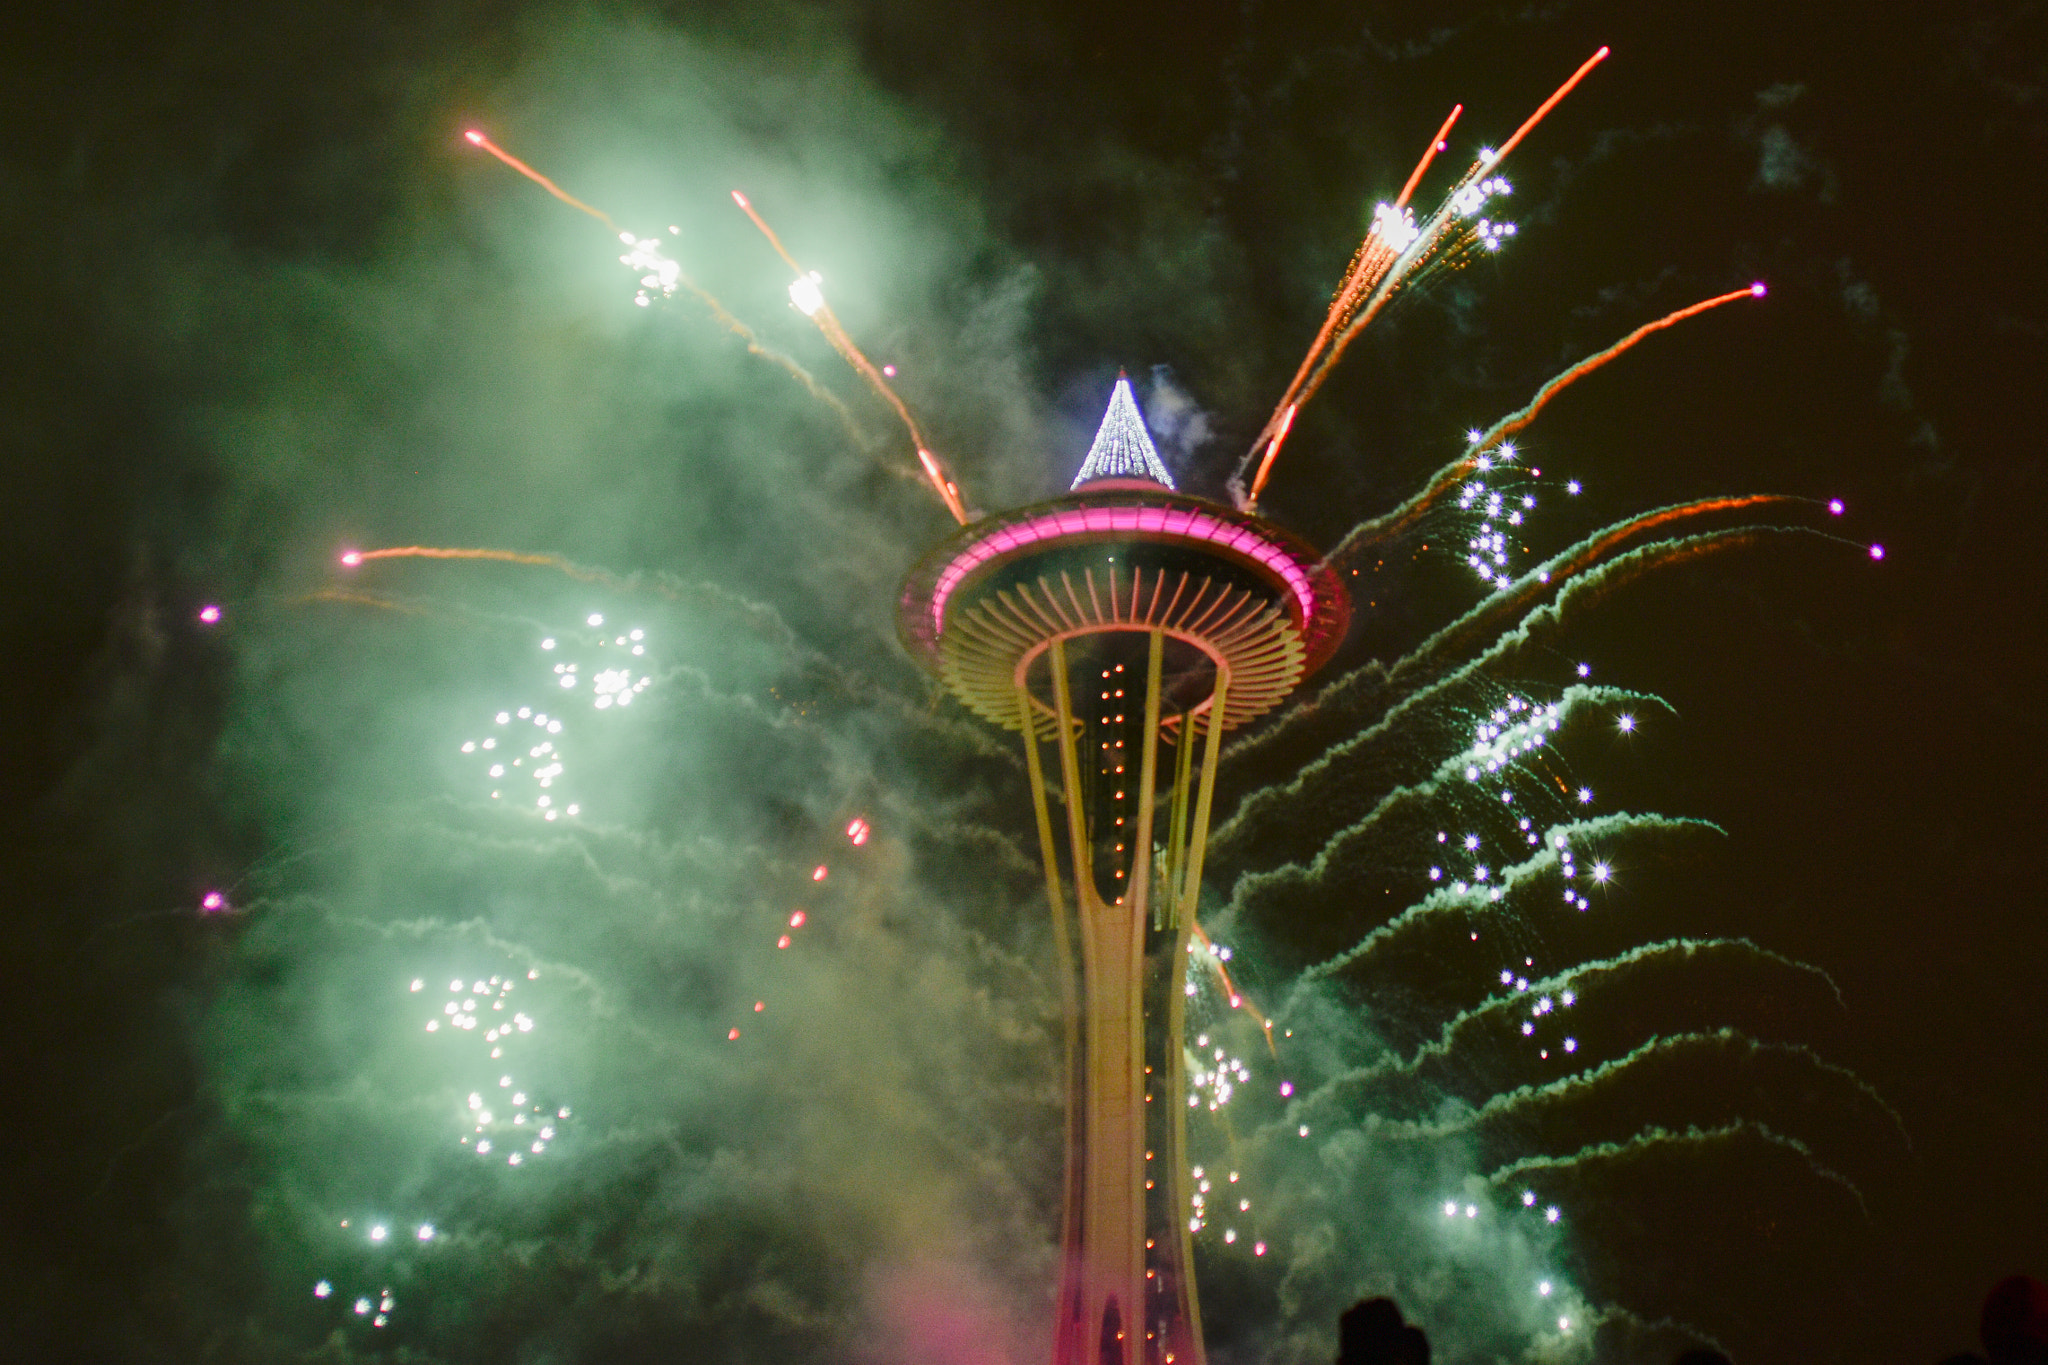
point(2015, 1322)
point(1368, 1332)
point(1371, 1333)
point(1702, 1355)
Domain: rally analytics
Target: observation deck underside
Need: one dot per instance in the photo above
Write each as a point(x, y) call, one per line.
point(1125, 627)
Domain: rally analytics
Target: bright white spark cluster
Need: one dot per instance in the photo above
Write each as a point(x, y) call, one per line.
point(1466, 203)
point(1216, 1075)
point(500, 1118)
point(1213, 1078)
point(1394, 226)
point(1205, 1200)
point(806, 295)
point(1514, 728)
point(510, 1123)
point(1499, 513)
point(374, 1308)
point(532, 765)
point(660, 272)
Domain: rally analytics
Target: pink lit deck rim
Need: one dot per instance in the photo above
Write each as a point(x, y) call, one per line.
point(1159, 521)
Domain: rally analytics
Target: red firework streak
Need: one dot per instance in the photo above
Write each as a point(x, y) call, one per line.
point(1369, 273)
point(1369, 265)
point(1515, 421)
point(351, 559)
point(537, 178)
point(828, 323)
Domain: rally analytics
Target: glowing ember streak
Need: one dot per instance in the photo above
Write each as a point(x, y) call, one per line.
point(1517, 420)
point(1376, 276)
point(1436, 144)
point(1217, 957)
point(1547, 105)
point(1577, 560)
point(355, 557)
point(478, 139)
point(567, 567)
point(667, 275)
point(1273, 448)
point(810, 300)
point(361, 599)
point(1480, 444)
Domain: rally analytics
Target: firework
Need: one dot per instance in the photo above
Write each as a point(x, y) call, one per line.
point(662, 274)
point(1396, 252)
point(1486, 448)
point(1516, 847)
point(355, 559)
point(808, 298)
point(1393, 229)
point(477, 139)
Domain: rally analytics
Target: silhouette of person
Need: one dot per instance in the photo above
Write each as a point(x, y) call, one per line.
point(1702, 1355)
point(1371, 1332)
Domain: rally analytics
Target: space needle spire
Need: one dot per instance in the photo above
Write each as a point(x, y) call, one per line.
point(1123, 449)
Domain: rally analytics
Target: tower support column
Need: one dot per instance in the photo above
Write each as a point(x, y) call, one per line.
point(1126, 1292)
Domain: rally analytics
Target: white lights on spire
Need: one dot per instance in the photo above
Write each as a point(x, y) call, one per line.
point(1123, 449)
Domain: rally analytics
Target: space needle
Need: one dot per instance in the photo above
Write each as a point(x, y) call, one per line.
point(1120, 630)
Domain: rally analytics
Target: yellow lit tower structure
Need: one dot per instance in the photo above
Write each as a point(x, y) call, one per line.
point(1121, 629)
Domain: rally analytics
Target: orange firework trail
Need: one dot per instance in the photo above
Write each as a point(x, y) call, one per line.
point(1436, 144)
point(1378, 271)
point(1559, 572)
point(360, 599)
point(1237, 997)
point(478, 139)
point(1448, 477)
point(351, 559)
point(1597, 547)
point(1544, 108)
point(1368, 265)
point(704, 296)
point(1515, 421)
point(804, 294)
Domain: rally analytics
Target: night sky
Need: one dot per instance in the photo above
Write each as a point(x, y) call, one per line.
point(264, 304)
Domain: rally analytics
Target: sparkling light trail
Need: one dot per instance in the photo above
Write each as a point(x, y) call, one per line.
point(809, 299)
point(663, 274)
point(1481, 443)
point(479, 140)
point(1380, 269)
point(1436, 144)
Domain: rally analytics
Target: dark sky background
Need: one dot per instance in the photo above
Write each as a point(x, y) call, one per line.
point(262, 303)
